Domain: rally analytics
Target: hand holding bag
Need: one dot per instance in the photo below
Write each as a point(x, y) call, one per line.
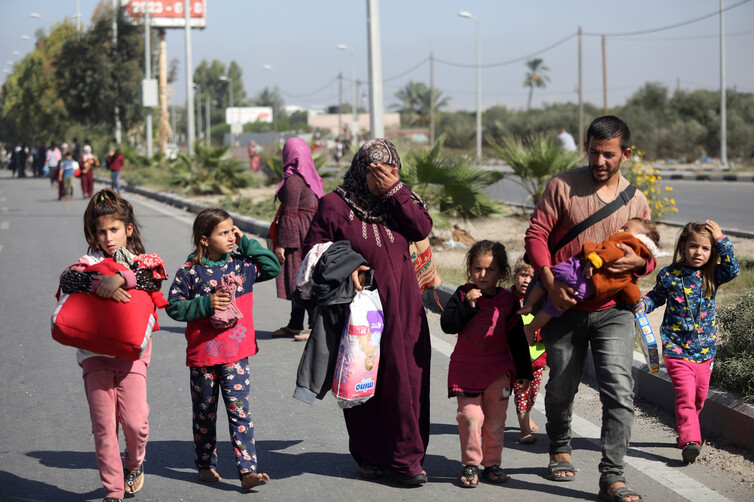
point(359, 352)
point(424, 265)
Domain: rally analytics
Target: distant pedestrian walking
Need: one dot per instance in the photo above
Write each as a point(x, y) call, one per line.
point(566, 141)
point(115, 162)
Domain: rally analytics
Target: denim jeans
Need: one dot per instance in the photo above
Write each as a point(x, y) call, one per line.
point(611, 335)
point(115, 185)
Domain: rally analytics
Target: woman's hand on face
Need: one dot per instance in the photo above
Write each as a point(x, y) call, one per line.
point(359, 278)
point(381, 177)
point(280, 255)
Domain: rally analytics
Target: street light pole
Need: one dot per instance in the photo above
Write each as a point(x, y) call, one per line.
point(355, 123)
point(274, 104)
point(230, 105)
point(478, 81)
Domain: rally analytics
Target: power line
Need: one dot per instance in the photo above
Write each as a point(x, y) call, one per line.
point(512, 61)
point(307, 94)
point(406, 72)
point(686, 39)
point(669, 27)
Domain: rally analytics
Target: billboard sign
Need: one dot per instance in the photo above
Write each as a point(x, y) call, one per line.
point(246, 114)
point(166, 13)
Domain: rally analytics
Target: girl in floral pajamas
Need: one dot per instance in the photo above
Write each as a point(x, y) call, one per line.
point(220, 336)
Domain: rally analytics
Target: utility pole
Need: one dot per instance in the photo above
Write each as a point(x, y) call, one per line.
point(723, 111)
point(431, 98)
point(376, 110)
point(604, 75)
point(148, 73)
point(164, 131)
point(189, 81)
point(581, 98)
point(116, 10)
point(340, 103)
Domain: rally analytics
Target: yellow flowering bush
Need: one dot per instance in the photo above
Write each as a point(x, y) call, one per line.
point(647, 179)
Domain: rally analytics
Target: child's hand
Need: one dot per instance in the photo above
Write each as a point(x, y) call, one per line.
point(110, 288)
point(472, 296)
point(714, 229)
point(238, 234)
point(639, 307)
point(525, 310)
point(219, 300)
point(588, 269)
point(280, 255)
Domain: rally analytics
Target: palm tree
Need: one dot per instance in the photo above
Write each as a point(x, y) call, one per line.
point(535, 77)
point(415, 101)
point(534, 160)
point(451, 186)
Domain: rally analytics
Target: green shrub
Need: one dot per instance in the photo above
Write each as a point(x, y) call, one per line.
point(734, 364)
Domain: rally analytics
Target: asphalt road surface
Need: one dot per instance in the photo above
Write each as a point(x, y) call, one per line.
point(730, 203)
point(46, 445)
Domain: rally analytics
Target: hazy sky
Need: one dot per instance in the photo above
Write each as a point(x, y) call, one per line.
point(299, 39)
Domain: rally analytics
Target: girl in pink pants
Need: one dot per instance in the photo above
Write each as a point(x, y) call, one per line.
point(702, 261)
point(116, 386)
point(490, 354)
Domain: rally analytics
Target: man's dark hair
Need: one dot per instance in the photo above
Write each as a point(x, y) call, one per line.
point(609, 127)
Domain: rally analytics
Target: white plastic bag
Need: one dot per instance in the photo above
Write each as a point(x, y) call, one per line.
point(359, 353)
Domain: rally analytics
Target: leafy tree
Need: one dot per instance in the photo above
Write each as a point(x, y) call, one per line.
point(30, 105)
point(93, 77)
point(458, 128)
point(535, 77)
point(207, 76)
point(534, 160)
point(451, 186)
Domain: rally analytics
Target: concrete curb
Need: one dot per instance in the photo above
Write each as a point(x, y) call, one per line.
point(670, 175)
point(724, 415)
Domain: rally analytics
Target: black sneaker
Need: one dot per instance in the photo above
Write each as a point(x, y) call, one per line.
point(690, 452)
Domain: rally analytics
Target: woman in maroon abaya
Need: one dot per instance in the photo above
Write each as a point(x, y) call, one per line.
point(299, 195)
point(379, 216)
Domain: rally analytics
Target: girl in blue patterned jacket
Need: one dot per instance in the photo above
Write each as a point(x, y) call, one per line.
point(212, 292)
point(702, 261)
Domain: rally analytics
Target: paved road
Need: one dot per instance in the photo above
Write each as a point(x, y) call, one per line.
point(729, 203)
point(46, 448)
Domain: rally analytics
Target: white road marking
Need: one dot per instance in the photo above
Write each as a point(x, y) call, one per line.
point(637, 458)
point(4, 225)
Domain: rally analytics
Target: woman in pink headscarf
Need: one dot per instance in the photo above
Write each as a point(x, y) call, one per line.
point(299, 195)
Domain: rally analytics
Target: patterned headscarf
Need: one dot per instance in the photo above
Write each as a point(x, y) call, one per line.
point(297, 159)
point(354, 189)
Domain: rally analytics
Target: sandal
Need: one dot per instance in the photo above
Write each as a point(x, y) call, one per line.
point(370, 471)
point(134, 480)
point(303, 336)
point(250, 480)
point(494, 474)
point(470, 476)
point(618, 495)
point(285, 332)
point(558, 466)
